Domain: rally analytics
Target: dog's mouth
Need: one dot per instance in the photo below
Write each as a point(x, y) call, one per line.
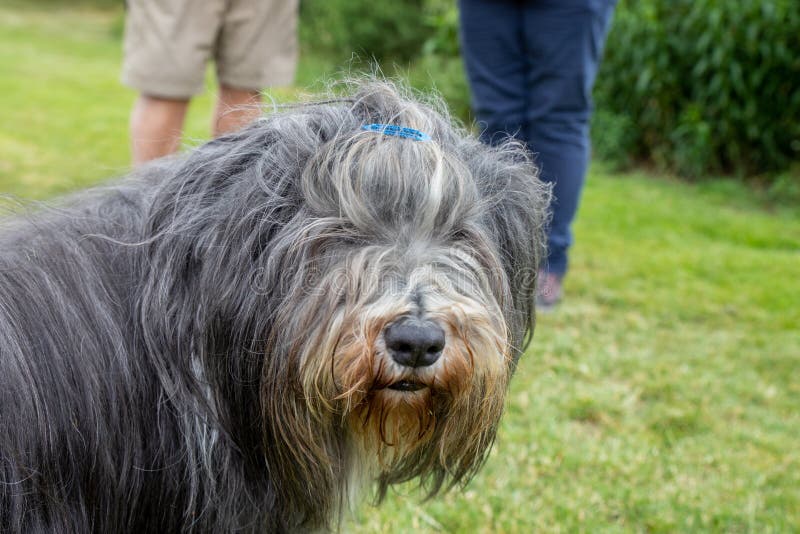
point(407, 385)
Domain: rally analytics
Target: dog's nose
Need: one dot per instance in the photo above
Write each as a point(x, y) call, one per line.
point(413, 342)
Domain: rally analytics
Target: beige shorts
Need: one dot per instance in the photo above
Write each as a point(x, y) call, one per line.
point(169, 42)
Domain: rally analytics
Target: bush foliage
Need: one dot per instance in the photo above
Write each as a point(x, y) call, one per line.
point(415, 39)
point(383, 31)
point(703, 86)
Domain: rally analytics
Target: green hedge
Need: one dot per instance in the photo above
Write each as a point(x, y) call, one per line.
point(383, 31)
point(702, 86)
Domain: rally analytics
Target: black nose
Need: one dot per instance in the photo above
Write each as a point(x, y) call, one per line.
point(414, 342)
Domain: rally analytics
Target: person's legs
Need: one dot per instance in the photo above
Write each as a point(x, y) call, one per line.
point(156, 125)
point(564, 40)
point(494, 57)
point(235, 109)
point(256, 48)
point(167, 44)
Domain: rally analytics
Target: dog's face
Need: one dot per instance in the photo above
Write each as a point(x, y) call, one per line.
point(415, 351)
point(409, 321)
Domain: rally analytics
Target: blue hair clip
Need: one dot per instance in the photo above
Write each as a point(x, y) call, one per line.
point(397, 131)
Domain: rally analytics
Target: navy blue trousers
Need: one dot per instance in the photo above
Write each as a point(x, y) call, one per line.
point(531, 66)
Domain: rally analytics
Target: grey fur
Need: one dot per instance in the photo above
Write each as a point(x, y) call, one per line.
point(149, 329)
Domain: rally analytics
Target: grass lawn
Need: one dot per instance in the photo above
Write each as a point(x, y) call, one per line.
point(663, 396)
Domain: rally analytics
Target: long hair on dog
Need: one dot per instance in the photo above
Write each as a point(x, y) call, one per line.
point(252, 335)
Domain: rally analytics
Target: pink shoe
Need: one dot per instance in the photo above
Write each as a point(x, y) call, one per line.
point(548, 294)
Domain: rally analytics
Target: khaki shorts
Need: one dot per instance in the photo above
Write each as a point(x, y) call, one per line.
point(169, 42)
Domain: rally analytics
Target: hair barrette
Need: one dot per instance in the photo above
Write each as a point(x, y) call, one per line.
point(397, 131)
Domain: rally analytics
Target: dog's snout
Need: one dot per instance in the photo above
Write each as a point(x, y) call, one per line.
point(413, 342)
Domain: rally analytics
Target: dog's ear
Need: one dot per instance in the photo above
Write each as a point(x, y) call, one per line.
point(516, 211)
point(302, 454)
point(303, 443)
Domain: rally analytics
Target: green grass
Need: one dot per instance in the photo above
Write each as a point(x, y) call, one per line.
point(663, 396)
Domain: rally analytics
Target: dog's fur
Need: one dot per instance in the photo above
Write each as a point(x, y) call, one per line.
point(199, 347)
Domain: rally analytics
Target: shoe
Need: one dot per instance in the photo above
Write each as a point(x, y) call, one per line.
point(548, 294)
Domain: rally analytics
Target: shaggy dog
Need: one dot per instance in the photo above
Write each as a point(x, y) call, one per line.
point(253, 335)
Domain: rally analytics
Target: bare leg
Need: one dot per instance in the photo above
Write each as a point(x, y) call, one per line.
point(235, 109)
point(156, 127)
